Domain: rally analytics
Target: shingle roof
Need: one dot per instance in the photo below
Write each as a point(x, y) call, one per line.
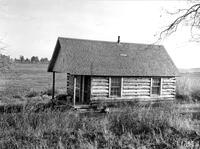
point(90, 57)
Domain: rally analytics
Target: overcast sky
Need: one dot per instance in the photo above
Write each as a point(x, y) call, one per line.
point(31, 27)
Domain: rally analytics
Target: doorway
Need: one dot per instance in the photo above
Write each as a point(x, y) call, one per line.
point(83, 89)
point(87, 87)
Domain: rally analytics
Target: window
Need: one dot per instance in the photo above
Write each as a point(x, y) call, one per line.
point(115, 86)
point(155, 86)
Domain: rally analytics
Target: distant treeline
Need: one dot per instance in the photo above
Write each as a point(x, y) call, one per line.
point(33, 59)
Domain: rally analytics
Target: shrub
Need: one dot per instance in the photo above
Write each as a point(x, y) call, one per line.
point(32, 93)
point(196, 95)
point(163, 123)
point(49, 91)
point(14, 91)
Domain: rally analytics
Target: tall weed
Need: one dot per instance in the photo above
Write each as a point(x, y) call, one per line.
point(130, 127)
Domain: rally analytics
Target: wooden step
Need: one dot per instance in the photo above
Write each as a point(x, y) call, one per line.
point(82, 106)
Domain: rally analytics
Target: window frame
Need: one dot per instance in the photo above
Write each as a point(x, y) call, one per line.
point(156, 86)
point(118, 87)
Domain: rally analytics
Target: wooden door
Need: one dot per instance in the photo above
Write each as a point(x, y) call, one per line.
point(87, 87)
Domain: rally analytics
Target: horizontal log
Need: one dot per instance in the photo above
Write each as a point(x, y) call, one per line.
point(136, 81)
point(135, 91)
point(99, 84)
point(168, 87)
point(172, 91)
point(100, 96)
point(168, 90)
point(136, 84)
point(135, 87)
point(100, 87)
point(168, 93)
point(167, 96)
point(170, 83)
point(100, 80)
point(171, 78)
point(99, 91)
point(167, 80)
point(136, 94)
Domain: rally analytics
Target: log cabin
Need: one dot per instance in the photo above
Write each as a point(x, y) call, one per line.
point(102, 71)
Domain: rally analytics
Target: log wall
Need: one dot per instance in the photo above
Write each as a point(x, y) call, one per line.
point(133, 87)
point(136, 87)
point(70, 85)
point(168, 89)
point(99, 87)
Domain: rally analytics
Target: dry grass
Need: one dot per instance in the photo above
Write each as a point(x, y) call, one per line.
point(29, 81)
point(32, 76)
point(188, 89)
point(147, 127)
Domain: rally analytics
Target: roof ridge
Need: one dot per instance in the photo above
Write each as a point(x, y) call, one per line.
point(81, 39)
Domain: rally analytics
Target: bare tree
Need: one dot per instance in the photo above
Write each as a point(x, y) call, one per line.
point(22, 59)
point(190, 16)
point(5, 62)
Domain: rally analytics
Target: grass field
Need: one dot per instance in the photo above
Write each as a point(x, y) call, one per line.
point(25, 77)
point(31, 76)
point(24, 81)
point(188, 87)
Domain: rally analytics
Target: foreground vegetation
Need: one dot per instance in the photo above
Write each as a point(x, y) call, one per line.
point(138, 126)
point(131, 127)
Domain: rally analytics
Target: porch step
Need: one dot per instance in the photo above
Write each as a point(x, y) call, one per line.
point(89, 108)
point(82, 107)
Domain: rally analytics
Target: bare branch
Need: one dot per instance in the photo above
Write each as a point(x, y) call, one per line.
point(176, 12)
point(192, 12)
